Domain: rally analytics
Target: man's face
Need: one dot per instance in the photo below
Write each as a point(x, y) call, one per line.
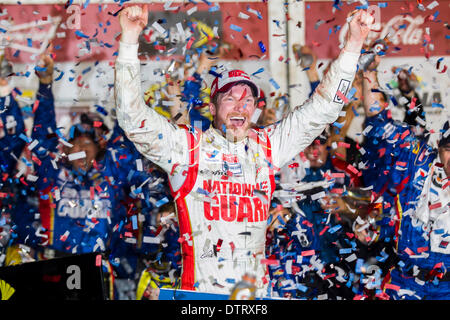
point(234, 111)
point(444, 153)
point(83, 143)
point(316, 153)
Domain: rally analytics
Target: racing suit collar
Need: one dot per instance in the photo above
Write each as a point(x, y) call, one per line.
point(218, 137)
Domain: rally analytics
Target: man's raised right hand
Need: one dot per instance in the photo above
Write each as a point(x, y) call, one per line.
point(132, 21)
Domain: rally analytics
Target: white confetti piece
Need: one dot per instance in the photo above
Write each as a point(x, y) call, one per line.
point(158, 27)
point(77, 155)
point(33, 144)
point(139, 166)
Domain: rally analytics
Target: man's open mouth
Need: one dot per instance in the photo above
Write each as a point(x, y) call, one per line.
point(237, 121)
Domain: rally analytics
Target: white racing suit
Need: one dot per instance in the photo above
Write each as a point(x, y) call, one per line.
point(223, 189)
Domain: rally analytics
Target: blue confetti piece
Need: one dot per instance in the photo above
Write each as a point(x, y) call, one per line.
point(335, 228)
point(338, 125)
point(281, 220)
point(213, 9)
point(351, 93)
point(235, 28)
point(81, 34)
point(201, 191)
point(274, 84)
point(301, 287)
point(24, 138)
point(437, 105)
point(86, 4)
point(86, 70)
point(162, 201)
point(359, 265)
point(29, 42)
point(382, 4)
point(40, 69)
point(258, 71)
point(101, 110)
point(18, 91)
point(261, 46)
point(134, 223)
point(71, 132)
point(345, 251)
point(60, 76)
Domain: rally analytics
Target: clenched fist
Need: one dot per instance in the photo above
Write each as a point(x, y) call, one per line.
point(359, 27)
point(132, 21)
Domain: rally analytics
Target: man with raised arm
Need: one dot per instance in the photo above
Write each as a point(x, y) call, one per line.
point(223, 179)
point(411, 179)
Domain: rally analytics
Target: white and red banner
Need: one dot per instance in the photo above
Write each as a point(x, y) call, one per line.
point(86, 33)
point(418, 41)
point(410, 30)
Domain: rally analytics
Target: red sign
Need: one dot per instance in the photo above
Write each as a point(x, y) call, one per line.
point(242, 25)
point(411, 31)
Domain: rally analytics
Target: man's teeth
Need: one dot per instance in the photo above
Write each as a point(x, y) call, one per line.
point(238, 118)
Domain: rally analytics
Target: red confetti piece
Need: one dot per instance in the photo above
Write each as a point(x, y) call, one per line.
point(36, 159)
point(219, 244)
point(435, 206)
point(352, 169)
point(392, 286)
point(413, 103)
point(409, 252)
point(404, 134)
point(142, 124)
point(98, 124)
point(272, 262)
point(35, 106)
point(342, 97)
point(190, 42)
point(98, 260)
point(422, 249)
point(293, 165)
point(308, 253)
point(323, 231)
point(160, 47)
point(343, 144)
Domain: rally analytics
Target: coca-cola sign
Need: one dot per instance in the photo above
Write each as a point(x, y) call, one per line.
point(410, 30)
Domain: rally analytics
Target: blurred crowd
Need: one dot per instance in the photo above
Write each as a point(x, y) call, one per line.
point(348, 220)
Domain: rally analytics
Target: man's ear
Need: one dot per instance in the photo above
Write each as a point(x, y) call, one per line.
point(212, 109)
